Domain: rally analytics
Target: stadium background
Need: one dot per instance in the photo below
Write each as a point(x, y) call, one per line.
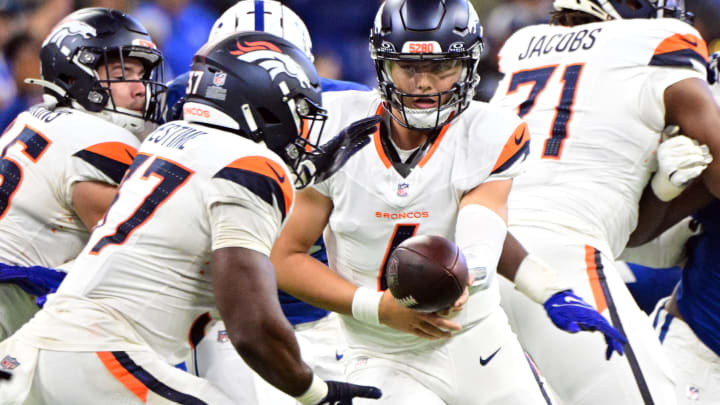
point(339, 30)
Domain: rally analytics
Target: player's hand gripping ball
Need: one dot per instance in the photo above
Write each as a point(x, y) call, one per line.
point(427, 273)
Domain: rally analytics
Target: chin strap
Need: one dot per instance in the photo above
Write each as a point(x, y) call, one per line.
point(44, 83)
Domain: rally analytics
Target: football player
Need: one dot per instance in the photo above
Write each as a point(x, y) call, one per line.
point(597, 86)
point(191, 229)
point(439, 164)
point(687, 322)
point(317, 330)
point(60, 161)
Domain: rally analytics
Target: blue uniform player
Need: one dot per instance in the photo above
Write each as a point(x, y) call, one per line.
point(688, 322)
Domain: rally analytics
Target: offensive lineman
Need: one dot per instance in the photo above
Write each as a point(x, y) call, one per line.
point(433, 168)
point(190, 229)
point(597, 87)
point(61, 161)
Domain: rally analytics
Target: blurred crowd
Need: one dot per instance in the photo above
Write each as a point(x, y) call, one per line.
point(339, 30)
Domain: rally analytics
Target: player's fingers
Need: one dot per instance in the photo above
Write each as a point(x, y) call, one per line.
point(440, 323)
point(428, 332)
point(460, 302)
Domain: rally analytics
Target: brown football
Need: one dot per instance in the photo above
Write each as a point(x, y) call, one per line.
point(427, 273)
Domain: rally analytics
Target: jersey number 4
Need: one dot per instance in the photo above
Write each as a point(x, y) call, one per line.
point(540, 78)
point(172, 175)
point(402, 232)
point(11, 172)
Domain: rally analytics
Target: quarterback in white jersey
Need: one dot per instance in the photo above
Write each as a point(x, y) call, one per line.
point(596, 96)
point(190, 230)
point(61, 161)
point(435, 159)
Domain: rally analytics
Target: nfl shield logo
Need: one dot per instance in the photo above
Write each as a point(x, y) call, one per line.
point(402, 189)
point(9, 363)
point(219, 79)
point(222, 336)
point(693, 393)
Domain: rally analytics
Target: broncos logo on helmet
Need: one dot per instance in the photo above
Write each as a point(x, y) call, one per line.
point(70, 28)
point(271, 58)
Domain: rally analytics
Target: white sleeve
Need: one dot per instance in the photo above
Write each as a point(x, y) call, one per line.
point(233, 225)
point(651, 99)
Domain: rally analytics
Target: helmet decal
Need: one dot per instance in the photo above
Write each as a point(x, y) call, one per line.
point(271, 58)
point(68, 29)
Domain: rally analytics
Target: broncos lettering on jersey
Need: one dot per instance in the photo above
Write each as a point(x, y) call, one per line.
point(377, 204)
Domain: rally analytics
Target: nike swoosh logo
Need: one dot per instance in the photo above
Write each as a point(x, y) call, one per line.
point(280, 178)
point(522, 136)
point(693, 43)
point(483, 362)
point(339, 356)
point(571, 300)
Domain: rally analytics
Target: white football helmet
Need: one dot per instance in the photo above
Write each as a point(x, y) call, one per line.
point(622, 9)
point(264, 15)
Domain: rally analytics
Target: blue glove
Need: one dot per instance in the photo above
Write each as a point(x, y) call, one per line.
point(572, 314)
point(340, 393)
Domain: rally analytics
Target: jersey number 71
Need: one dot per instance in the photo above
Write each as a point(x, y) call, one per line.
point(540, 77)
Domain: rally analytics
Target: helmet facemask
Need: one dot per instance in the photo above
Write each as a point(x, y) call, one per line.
point(300, 154)
point(448, 103)
point(431, 32)
point(101, 98)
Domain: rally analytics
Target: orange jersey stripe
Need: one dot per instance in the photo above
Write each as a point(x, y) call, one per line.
point(121, 374)
point(376, 140)
point(515, 143)
point(435, 144)
point(679, 42)
point(270, 169)
point(114, 150)
point(591, 267)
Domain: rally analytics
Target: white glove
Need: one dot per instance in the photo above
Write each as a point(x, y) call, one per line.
point(680, 161)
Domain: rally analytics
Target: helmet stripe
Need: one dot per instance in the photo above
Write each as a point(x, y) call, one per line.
point(259, 15)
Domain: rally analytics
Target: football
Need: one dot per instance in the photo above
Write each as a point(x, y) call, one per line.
point(427, 273)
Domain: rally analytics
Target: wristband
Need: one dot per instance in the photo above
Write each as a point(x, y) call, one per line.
point(537, 280)
point(366, 306)
point(663, 188)
point(315, 393)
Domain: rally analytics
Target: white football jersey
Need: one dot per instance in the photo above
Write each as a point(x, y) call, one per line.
point(592, 96)
point(375, 207)
point(44, 153)
point(148, 264)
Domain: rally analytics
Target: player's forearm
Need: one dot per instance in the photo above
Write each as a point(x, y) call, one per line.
point(309, 280)
point(651, 212)
point(271, 350)
point(512, 255)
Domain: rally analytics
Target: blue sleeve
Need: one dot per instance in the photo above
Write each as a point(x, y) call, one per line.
point(339, 85)
point(176, 97)
point(35, 280)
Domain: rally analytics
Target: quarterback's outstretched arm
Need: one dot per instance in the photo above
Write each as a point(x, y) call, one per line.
point(690, 105)
point(299, 274)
